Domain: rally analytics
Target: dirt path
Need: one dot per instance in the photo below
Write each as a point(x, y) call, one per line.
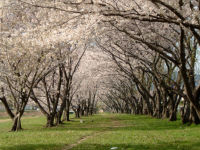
point(6, 120)
point(68, 147)
point(114, 124)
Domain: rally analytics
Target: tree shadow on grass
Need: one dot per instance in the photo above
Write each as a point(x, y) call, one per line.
point(32, 147)
point(161, 146)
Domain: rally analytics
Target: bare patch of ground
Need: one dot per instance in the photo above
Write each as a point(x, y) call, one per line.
point(68, 147)
point(113, 124)
point(5, 118)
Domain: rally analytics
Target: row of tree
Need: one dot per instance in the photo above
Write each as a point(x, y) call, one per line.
point(50, 86)
point(153, 44)
point(39, 57)
point(156, 51)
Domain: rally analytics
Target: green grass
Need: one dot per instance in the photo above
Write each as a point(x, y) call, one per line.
point(127, 132)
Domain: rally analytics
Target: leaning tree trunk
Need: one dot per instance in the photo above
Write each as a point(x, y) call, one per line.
point(193, 116)
point(194, 108)
point(16, 126)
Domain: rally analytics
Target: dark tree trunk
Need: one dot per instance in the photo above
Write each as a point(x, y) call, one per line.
point(77, 111)
point(148, 107)
point(173, 115)
point(68, 114)
point(91, 111)
point(82, 112)
point(50, 120)
point(7, 108)
point(67, 110)
point(145, 109)
point(174, 102)
point(193, 116)
point(157, 111)
point(185, 112)
point(87, 111)
point(77, 115)
point(140, 107)
point(172, 111)
point(117, 110)
point(165, 113)
point(133, 108)
point(58, 118)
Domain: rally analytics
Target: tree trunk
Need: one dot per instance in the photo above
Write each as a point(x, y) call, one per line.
point(7, 108)
point(157, 111)
point(78, 114)
point(87, 111)
point(193, 116)
point(82, 112)
point(165, 113)
point(67, 110)
point(172, 111)
point(77, 111)
point(91, 111)
point(17, 123)
point(50, 120)
point(173, 115)
point(68, 113)
point(61, 112)
point(64, 115)
point(185, 112)
point(58, 118)
point(17, 119)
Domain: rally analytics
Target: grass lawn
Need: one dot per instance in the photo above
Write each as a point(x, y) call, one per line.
point(102, 132)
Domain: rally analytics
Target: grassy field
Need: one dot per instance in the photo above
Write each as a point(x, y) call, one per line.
point(102, 132)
